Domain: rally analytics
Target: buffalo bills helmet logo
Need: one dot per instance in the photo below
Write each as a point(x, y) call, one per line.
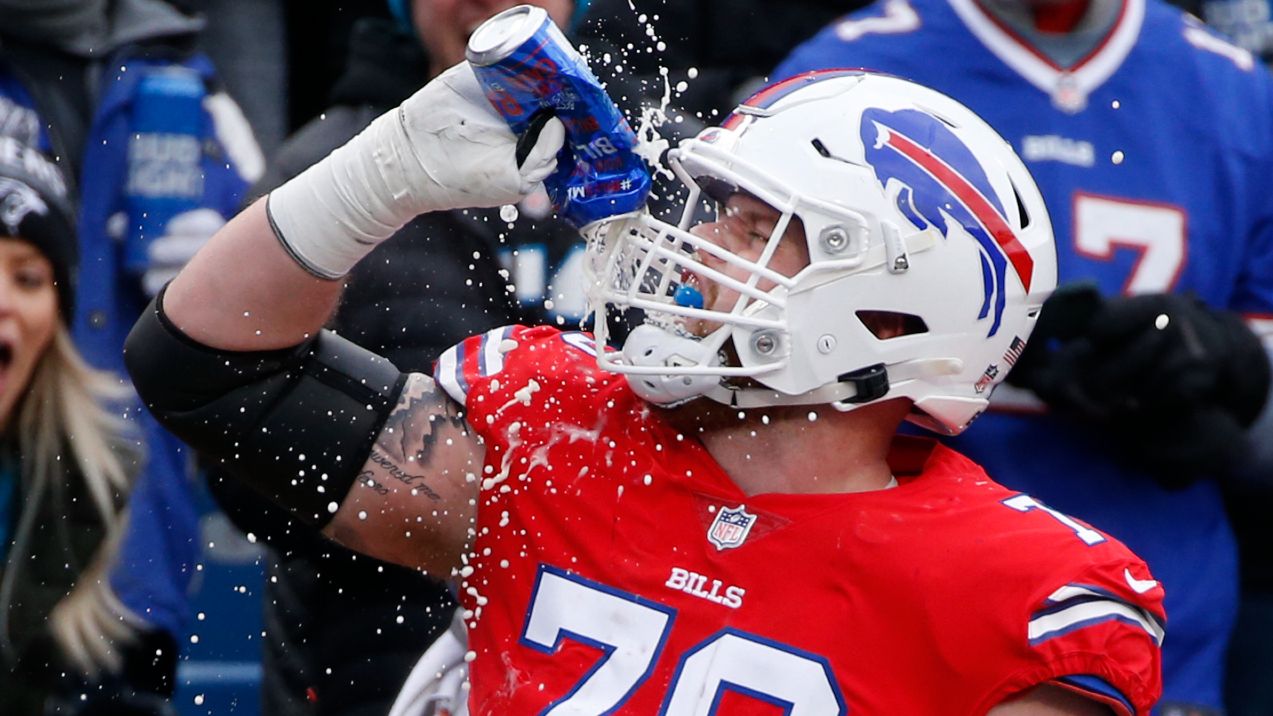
point(942, 181)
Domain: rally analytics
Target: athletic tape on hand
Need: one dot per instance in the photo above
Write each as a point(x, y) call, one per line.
point(444, 148)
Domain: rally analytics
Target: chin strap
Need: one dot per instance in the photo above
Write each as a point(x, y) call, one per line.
point(860, 386)
point(864, 385)
point(652, 346)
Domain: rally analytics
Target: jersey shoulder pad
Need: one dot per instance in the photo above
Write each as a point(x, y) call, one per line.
point(508, 373)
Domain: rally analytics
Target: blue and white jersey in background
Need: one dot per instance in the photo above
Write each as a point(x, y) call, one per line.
point(1154, 153)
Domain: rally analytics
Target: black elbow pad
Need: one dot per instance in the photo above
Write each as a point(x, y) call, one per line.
point(297, 424)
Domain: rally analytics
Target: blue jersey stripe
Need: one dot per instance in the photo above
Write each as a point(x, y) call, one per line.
point(1099, 687)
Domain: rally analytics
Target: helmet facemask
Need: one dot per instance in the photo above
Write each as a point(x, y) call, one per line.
point(686, 349)
point(955, 262)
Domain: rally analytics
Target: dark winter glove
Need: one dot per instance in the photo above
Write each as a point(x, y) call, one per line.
point(112, 699)
point(143, 687)
point(1172, 382)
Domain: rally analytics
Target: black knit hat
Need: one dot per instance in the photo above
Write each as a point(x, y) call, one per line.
point(34, 207)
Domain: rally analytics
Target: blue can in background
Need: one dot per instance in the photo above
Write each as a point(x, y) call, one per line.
point(526, 66)
point(165, 153)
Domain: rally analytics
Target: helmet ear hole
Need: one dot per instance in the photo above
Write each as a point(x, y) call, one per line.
point(885, 325)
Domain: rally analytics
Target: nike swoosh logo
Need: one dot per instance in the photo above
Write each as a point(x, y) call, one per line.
point(1140, 586)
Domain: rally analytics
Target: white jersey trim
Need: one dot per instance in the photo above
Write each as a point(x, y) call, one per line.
point(1069, 88)
point(447, 375)
point(1076, 607)
point(491, 348)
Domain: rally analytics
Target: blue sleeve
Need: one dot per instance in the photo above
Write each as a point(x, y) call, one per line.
point(1253, 294)
point(1253, 290)
point(156, 558)
point(847, 41)
point(817, 53)
point(1253, 298)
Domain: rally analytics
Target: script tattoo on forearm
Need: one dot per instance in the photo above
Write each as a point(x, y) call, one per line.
point(415, 482)
point(422, 420)
point(367, 478)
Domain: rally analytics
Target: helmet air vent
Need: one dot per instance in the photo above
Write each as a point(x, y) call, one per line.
point(1021, 211)
point(825, 152)
point(940, 117)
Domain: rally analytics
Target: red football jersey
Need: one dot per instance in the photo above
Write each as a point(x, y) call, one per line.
point(617, 569)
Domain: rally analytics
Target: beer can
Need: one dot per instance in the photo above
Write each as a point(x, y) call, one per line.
point(527, 66)
point(165, 157)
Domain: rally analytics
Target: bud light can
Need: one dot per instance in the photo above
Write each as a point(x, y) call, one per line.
point(165, 152)
point(526, 66)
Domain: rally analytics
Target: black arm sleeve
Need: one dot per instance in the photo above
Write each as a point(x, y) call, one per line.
point(297, 424)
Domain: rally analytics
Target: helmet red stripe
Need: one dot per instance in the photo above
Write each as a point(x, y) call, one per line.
point(972, 198)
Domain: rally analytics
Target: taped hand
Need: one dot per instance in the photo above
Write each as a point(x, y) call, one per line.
point(466, 152)
point(444, 148)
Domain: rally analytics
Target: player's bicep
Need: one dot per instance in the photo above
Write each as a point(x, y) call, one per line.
point(415, 498)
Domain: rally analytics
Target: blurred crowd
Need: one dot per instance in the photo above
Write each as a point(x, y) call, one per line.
point(131, 130)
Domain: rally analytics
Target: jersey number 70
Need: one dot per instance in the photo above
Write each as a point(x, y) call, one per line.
point(631, 633)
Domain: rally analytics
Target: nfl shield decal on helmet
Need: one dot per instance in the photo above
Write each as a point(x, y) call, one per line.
point(730, 527)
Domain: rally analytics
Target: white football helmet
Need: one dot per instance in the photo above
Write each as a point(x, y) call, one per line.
point(911, 204)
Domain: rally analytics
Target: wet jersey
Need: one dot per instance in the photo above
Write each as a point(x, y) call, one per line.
point(1153, 154)
point(617, 569)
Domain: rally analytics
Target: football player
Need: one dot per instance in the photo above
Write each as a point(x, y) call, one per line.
point(719, 516)
point(1165, 245)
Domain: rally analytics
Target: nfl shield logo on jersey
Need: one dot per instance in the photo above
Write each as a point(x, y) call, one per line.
point(730, 527)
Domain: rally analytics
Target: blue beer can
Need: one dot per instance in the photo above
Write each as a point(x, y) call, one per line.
point(526, 65)
point(165, 157)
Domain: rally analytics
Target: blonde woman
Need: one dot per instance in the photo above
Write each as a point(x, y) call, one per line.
point(65, 460)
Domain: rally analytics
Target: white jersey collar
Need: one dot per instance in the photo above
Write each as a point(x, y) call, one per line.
point(1068, 87)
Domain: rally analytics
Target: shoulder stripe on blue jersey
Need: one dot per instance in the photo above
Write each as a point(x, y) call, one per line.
point(1099, 688)
point(1075, 607)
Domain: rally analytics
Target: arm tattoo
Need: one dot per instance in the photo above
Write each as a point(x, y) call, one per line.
point(424, 417)
point(415, 482)
point(368, 479)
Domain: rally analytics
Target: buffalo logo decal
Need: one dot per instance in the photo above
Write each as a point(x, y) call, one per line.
point(942, 181)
